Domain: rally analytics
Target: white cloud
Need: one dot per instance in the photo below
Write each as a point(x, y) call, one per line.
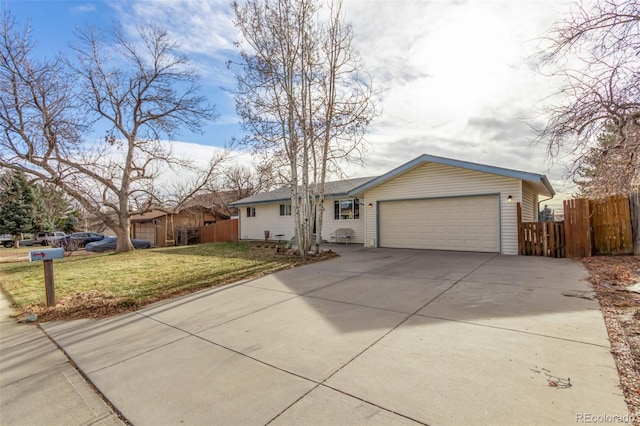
point(456, 75)
point(457, 79)
point(203, 29)
point(198, 157)
point(84, 8)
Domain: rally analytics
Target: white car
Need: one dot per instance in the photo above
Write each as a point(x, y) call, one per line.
point(50, 238)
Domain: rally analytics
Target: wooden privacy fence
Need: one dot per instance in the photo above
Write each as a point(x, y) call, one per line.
point(611, 225)
point(602, 227)
point(577, 227)
point(542, 239)
point(221, 232)
point(598, 226)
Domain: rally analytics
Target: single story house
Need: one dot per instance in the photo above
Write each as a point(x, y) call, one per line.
point(161, 228)
point(428, 203)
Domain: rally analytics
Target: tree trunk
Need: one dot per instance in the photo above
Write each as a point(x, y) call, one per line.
point(293, 52)
point(319, 217)
point(123, 232)
point(16, 240)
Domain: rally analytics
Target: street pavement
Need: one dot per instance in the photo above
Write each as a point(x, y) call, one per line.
point(38, 384)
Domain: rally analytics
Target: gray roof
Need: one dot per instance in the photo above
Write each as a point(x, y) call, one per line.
point(356, 187)
point(335, 189)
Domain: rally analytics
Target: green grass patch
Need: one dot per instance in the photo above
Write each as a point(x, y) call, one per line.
point(125, 280)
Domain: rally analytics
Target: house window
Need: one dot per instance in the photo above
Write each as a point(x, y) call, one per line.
point(251, 212)
point(346, 209)
point(285, 209)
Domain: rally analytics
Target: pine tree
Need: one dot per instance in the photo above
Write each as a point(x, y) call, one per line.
point(18, 205)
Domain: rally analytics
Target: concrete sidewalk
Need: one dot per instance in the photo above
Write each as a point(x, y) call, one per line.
point(38, 385)
point(377, 336)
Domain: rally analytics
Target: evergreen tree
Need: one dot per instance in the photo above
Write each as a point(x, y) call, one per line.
point(546, 214)
point(18, 205)
point(54, 207)
point(69, 223)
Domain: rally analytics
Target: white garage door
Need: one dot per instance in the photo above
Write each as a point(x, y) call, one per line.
point(463, 224)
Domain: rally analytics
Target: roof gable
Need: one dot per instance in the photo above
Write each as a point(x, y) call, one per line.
point(540, 182)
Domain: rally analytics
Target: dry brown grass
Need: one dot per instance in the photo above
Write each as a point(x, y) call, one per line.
point(610, 276)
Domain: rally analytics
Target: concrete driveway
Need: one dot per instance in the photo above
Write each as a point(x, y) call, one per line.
point(378, 336)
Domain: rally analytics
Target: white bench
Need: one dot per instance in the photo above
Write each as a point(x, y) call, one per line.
point(342, 234)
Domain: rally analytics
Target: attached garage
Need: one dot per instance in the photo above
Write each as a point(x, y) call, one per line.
point(452, 223)
point(430, 202)
point(440, 203)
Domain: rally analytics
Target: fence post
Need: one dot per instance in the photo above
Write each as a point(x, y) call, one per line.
point(586, 228)
point(566, 206)
point(520, 239)
point(634, 204)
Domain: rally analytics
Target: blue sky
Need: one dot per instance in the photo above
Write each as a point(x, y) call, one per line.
point(53, 24)
point(456, 76)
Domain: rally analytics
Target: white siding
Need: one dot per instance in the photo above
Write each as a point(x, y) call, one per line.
point(329, 224)
point(435, 180)
point(268, 219)
point(529, 203)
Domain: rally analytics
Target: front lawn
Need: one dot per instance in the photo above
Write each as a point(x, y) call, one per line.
point(97, 285)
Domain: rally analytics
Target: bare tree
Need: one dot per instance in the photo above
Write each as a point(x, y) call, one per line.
point(344, 109)
point(595, 53)
point(242, 181)
point(270, 86)
point(607, 169)
point(302, 96)
point(142, 89)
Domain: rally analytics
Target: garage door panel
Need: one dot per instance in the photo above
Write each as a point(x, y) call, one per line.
point(463, 224)
point(146, 231)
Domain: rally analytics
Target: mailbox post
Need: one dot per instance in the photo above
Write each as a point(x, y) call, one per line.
point(47, 256)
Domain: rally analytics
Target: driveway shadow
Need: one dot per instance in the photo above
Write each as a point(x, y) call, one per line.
point(393, 328)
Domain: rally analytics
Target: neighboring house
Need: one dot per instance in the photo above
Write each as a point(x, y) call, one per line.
point(205, 209)
point(217, 202)
point(428, 203)
point(162, 228)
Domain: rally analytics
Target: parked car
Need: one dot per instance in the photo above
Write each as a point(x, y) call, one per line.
point(41, 238)
point(109, 243)
point(8, 242)
point(45, 238)
point(80, 239)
